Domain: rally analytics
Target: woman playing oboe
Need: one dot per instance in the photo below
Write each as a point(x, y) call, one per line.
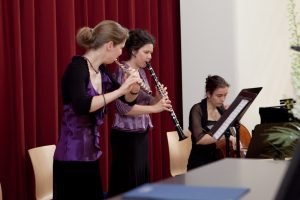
point(129, 135)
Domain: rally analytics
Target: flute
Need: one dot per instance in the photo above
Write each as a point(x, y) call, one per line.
point(129, 72)
point(163, 94)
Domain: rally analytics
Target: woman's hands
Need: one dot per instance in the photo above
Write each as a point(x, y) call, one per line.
point(232, 139)
point(135, 88)
point(131, 87)
point(131, 84)
point(103, 99)
point(164, 104)
point(159, 96)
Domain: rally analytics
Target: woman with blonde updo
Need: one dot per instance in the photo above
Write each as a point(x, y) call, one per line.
point(86, 90)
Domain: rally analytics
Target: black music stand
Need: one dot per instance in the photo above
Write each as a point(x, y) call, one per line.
point(232, 116)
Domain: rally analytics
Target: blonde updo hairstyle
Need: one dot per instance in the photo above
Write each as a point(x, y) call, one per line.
point(105, 31)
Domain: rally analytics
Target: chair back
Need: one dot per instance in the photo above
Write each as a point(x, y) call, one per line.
point(42, 163)
point(179, 152)
point(1, 192)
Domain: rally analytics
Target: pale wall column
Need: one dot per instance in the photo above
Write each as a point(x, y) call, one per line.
point(246, 42)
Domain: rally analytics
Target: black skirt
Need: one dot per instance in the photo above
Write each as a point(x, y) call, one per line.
point(129, 167)
point(203, 154)
point(76, 180)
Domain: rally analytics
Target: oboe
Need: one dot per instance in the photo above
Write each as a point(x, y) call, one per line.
point(163, 94)
point(129, 72)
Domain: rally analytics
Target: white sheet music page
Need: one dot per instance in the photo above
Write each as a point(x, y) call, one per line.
point(230, 118)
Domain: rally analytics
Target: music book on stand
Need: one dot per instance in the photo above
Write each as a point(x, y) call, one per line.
point(235, 111)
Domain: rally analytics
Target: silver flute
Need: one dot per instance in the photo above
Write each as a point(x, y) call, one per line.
point(163, 94)
point(129, 72)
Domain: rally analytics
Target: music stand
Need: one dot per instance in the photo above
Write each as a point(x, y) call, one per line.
point(232, 116)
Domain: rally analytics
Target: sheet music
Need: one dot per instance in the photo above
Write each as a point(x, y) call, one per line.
point(230, 118)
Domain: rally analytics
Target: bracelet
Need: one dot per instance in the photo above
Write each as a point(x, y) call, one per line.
point(134, 93)
point(104, 107)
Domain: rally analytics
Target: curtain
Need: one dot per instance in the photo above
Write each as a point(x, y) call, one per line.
point(37, 43)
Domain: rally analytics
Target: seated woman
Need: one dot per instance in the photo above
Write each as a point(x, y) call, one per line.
point(203, 116)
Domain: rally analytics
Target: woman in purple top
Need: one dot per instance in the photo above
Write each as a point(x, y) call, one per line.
point(129, 135)
point(86, 89)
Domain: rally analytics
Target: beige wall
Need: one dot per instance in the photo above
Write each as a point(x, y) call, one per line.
point(246, 42)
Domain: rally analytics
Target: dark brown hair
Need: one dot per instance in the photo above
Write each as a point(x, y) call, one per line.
point(137, 39)
point(214, 82)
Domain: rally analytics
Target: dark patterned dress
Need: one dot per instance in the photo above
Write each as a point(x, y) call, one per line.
point(199, 125)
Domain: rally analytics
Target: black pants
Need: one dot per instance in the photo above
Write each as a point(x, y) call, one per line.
point(129, 167)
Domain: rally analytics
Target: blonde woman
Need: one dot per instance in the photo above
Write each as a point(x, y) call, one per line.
point(86, 90)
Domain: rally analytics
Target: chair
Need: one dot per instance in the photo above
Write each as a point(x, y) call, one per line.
point(0, 192)
point(179, 152)
point(42, 163)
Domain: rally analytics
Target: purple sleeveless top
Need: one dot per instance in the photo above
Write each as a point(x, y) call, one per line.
point(137, 123)
point(79, 135)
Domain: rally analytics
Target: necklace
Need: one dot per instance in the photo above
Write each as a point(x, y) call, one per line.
point(96, 71)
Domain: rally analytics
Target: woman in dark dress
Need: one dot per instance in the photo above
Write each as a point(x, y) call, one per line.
point(203, 116)
point(129, 134)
